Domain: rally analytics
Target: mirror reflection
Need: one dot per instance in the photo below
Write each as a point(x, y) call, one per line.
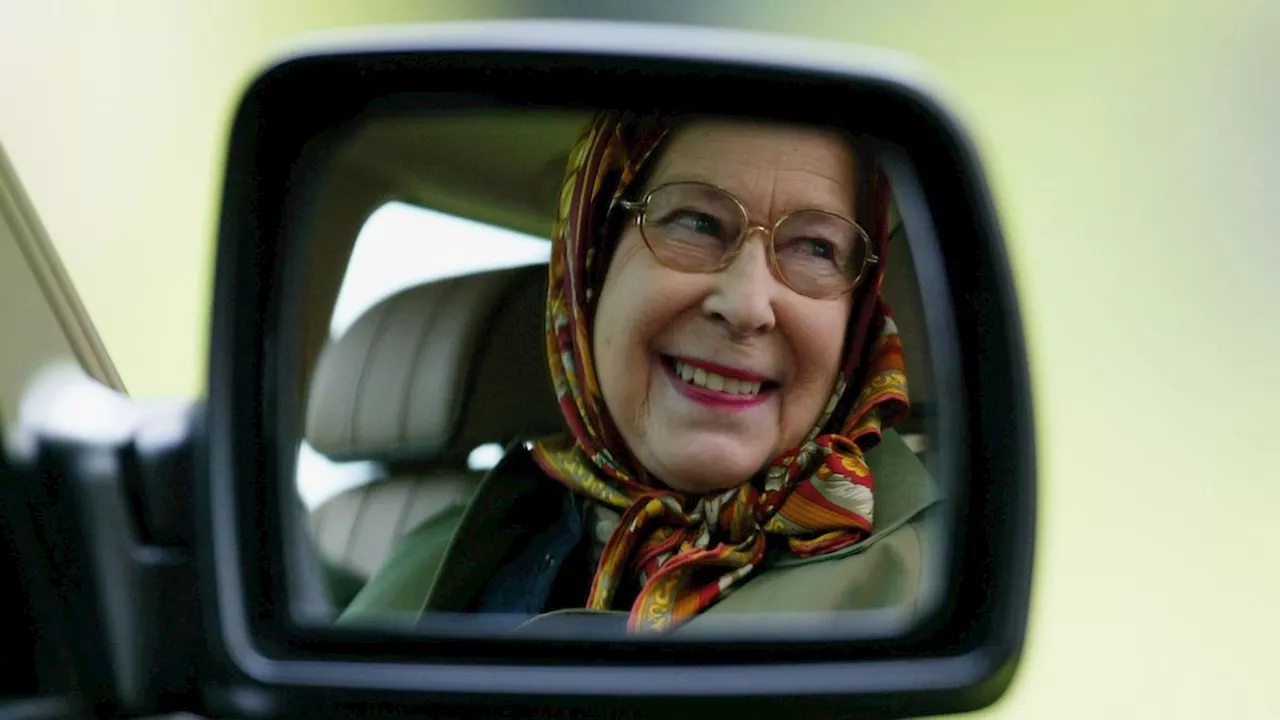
point(650, 368)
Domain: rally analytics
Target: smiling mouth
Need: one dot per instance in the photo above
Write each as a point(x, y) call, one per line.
point(702, 378)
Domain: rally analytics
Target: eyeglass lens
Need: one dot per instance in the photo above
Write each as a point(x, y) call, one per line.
point(694, 227)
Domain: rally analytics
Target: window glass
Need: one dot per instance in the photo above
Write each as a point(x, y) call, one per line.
point(395, 250)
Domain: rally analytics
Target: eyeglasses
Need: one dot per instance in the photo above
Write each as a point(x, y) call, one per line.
point(697, 227)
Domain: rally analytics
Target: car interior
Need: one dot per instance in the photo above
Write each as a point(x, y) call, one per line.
point(432, 372)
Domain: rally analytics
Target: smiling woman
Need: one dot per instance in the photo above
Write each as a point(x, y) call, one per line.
point(710, 303)
point(728, 374)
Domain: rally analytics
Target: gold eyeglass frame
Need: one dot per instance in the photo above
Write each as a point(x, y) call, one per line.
point(641, 207)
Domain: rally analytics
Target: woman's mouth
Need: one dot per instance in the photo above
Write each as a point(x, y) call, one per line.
point(717, 385)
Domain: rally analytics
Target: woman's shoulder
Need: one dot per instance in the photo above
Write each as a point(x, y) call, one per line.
point(891, 569)
point(891, 574)
point(904, 489)
point(905, 496)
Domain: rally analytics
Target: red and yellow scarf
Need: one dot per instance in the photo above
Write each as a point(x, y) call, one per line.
point(685, 552)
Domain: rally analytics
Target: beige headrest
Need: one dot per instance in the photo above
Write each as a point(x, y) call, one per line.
point(431, 372)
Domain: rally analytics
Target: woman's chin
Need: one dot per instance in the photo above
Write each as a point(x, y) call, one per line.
point(708, 471)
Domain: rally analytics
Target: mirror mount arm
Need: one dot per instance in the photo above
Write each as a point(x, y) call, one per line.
point(102, 487)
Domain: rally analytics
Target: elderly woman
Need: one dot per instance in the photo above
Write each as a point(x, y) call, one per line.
point(728, 374)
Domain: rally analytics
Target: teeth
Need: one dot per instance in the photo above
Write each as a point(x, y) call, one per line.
point(712, 381)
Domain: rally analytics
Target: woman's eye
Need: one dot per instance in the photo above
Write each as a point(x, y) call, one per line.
point(817, 248)
point(698, 222)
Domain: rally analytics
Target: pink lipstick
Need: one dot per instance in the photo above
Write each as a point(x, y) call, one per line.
point(719, 399)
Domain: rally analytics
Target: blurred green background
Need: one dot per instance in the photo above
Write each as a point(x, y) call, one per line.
point(1133, 150)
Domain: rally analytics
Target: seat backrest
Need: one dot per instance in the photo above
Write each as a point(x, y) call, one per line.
point(415, 384)
point(429, 373)
point(356, 529)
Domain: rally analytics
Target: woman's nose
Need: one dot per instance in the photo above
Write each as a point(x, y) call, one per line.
point(743, 294)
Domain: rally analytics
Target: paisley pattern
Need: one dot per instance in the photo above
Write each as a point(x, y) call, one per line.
point(685, 552)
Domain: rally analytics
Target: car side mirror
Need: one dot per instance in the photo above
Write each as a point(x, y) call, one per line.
point(267, 651)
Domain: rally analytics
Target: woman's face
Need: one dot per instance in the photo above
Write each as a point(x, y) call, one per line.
point(741, 324)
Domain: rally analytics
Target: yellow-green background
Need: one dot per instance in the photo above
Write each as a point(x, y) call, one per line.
point(1134, 148)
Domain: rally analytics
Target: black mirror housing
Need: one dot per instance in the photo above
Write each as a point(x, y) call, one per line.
point(256, 661)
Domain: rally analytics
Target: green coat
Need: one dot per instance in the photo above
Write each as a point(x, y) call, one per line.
point(443, 564)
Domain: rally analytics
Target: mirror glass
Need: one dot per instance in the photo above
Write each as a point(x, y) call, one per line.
point(655, 372)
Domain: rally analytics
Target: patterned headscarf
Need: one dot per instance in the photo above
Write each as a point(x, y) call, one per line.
point(684, 552)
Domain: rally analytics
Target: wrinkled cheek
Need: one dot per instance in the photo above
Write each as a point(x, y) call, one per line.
point(608, 378)
point(623, 385)
point(797, 415)
point(645, 391)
